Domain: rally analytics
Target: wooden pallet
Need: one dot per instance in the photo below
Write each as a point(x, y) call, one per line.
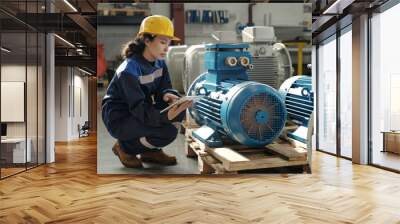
point(188, 123)
point(232, 159)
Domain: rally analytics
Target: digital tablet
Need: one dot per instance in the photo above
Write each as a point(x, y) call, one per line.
point(182, 100)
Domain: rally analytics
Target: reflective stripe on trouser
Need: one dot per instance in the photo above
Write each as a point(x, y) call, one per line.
point(145, 143)
point(157, 138)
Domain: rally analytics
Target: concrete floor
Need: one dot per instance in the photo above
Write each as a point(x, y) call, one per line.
point(108, 163)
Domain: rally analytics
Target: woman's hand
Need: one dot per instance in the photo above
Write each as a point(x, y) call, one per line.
point(177, 109)
point(170, 98)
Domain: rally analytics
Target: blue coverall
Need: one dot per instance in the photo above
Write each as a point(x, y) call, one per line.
point(129, 111)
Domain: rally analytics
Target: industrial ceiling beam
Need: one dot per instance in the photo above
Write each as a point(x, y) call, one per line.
point(334, 16)
point(86, 27)
point(337, 7)
point(45, 22)
point(82, 61)
point(80, 20)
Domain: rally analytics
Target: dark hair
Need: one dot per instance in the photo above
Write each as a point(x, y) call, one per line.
point(137, 45)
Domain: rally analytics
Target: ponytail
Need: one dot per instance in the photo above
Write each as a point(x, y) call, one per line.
point(136, 46)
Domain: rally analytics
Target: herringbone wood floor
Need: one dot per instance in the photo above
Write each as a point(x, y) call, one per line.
point(70, 191)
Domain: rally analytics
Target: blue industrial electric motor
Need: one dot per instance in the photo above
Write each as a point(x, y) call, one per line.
point(299, 100)
point(248, 112)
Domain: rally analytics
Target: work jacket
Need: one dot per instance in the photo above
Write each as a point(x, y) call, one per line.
point(136, 89)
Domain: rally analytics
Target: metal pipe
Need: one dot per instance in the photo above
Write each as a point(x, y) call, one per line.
point(250, 22)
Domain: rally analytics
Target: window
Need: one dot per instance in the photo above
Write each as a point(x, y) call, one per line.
point(385, 89)
point(22, 77)
point(346, 92)
point(327, 96)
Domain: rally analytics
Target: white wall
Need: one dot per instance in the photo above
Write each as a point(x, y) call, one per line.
point(61, 103)
point(12, 73)
point(33, 126)
point(79, 117)
point(282, 15)
point(70, 83)
point(16, 73)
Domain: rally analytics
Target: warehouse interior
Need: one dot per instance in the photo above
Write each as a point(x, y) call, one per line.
point(185, 60)
point(59, 56)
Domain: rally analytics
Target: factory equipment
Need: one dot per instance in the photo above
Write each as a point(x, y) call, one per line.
point(299, 101)
point(248, 112)
point(193, 64)
point(224, 36)
point(271, 60)
point(175, 64)
point(194, 56)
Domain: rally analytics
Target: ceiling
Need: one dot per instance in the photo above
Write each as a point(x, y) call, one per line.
point(327, 13)
point(72, 20)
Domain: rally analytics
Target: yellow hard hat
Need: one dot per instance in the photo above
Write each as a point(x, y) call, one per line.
point(158, 25)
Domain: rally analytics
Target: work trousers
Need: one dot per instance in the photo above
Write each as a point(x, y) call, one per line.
point(135, 137)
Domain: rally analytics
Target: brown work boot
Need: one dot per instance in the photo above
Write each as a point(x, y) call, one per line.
point(158, 157)
point(130, 161)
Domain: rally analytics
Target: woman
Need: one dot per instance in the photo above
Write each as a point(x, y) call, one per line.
point(141, 88)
